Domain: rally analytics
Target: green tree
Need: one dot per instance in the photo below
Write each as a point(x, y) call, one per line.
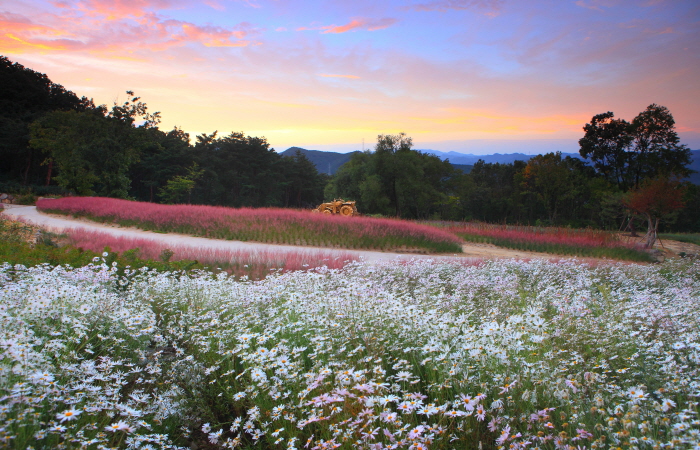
point(167, 155)
point(607, 142)
point(628, 153)
point(396, 180)
point(26, 96)
point(179, 188)
point(239, 170)
point(303, 185)
point(94, 149)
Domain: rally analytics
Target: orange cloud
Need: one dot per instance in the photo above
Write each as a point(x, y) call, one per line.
point(146, 31)
point(115, 9)
point(23, 44)
point(355, 24)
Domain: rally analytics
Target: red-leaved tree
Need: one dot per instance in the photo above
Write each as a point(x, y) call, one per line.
point(655, 199)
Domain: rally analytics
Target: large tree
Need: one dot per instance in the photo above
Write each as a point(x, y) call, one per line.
point(628, 153)
point(396, 180)
point(94, 149)
point(25, 96)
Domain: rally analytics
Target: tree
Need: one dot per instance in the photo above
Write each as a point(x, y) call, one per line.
point(606, 143)
point(628, 153)
point(303, 185)
point(657, 147)
point(240, 170)
point(94, 149)
point(388, 161)
point(25, 96)
point(396, 180)
point(167, 155)
point(180, 187)
point(655, 199)
point(549, 178)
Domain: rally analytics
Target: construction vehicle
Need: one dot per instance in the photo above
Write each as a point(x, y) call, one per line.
point(337, 206)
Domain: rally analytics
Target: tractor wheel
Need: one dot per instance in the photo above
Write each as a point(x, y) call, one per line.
point(327, 211)
point(346, 210)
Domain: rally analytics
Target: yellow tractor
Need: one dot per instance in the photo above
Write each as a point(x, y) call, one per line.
point(337, 206)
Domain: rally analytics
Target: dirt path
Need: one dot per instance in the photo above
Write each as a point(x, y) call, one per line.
point(58, 223)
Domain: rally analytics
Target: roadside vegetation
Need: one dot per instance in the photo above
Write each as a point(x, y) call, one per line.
point(25, 245)
point(691, 238)
point(560, 241)
point(267, 225)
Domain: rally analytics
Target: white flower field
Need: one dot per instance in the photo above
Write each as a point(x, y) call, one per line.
point(421, 355)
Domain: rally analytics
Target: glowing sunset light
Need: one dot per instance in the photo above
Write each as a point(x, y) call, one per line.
point(453, 74)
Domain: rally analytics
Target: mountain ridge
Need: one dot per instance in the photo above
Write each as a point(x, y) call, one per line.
point(329, 162)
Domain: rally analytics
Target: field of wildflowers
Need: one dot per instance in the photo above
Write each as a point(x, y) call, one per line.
point(556, 240)
point(252, 264)
point(268, 225)
point(497, 354)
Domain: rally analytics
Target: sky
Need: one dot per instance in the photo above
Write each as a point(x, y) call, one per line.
point(473, 76)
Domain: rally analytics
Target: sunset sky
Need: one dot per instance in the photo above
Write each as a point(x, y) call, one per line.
point(475, 76)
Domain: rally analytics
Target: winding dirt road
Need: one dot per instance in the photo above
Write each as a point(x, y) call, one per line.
point(57, 223)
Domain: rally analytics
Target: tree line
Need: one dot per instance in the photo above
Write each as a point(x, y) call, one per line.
point(50, 139)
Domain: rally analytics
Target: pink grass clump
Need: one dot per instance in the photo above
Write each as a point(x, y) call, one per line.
point(239, 262)
point(273, 225)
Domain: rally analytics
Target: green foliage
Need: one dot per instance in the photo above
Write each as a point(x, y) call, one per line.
point(691, 238)
point(25, 96)
point(395, 180)
point(179, 188)
point(94, 149)
point(621, 253)
point(628, 153)
point(22, 244)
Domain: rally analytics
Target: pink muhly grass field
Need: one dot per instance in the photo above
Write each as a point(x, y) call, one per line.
point(270, 225)
point(255, 264)
point(548, 235)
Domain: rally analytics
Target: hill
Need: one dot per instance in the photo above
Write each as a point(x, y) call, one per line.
point(695, 165)
point(326, 162)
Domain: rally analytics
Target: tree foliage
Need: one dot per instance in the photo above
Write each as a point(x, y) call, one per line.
point(655, 199)
point(628, 153)
point(25, 96)
point(94, 149)
point(394, 180)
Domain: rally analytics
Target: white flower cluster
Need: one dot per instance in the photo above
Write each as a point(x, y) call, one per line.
point(413, 355)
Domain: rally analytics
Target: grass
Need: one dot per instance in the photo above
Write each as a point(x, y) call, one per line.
point(252, 264)
point(440, 355)
point(691, 238)
point(267, 225)
point(561, 241)
point(23, 244)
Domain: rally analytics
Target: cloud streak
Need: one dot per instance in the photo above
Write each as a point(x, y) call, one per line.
point(354, 25)
point(491, 7)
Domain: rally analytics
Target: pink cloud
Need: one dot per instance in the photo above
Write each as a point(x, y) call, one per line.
point(142, 30)
point(332, 75)
point(353, 25)
point(115, 9)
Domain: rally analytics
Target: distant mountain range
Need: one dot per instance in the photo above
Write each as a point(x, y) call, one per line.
point(330, 162)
